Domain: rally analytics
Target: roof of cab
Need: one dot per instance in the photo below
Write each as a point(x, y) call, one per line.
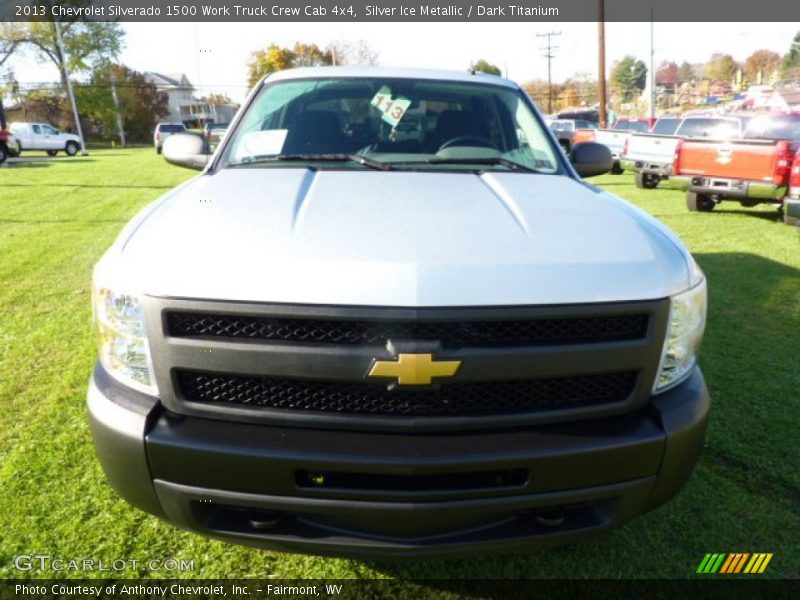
point(399, 73)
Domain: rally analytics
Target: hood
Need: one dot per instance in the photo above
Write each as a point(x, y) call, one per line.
point(353, 237)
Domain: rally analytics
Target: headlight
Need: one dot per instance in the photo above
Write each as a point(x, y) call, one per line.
point(121, 340)
point(687, 321)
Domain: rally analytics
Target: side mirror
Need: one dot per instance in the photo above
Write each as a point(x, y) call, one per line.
point(591, 158)
point(186, 150)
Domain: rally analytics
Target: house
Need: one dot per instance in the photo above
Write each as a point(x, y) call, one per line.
point(785, 98)
point(184, 106)
point(778, 98)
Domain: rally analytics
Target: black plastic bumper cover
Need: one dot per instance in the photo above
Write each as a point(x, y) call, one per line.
point(369, 494)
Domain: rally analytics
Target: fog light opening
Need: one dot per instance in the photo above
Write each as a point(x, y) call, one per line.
point(550, 517)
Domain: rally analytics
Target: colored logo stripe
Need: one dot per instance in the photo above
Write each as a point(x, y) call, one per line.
point(758, 563)
point(711, 563)
point(734, 562)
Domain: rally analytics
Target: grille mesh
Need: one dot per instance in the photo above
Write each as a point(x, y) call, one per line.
point(449, 333)
point(463, 399)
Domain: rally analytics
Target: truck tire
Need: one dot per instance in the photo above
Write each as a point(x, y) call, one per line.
point(699, 202)
point(3, 153)
point(52, 152)
point(71, 148)
point(645, 181)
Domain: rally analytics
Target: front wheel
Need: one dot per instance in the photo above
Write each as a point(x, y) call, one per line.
point(646, 181)
point(71, 148)
point(52, 152)
point(617, 169)
point(699, 202)
point(3, 153)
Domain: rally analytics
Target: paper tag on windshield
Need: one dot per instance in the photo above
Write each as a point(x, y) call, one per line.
point(259, 143)
point(392, 109)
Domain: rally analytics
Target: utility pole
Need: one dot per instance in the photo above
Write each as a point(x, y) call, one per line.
point(120, 126)
point(601, 55)
point(69, 87)
point(548, 54)
point(652, 71)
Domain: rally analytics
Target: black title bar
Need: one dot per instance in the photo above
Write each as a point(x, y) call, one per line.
point(353, 11)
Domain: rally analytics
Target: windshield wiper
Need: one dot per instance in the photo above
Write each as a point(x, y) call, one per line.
point(480, 160)
point(356, 158)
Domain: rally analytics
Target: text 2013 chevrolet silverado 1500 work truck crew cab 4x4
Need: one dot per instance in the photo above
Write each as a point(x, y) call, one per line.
point(342, 341)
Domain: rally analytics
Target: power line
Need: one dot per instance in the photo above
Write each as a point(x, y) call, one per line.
point(548, 54)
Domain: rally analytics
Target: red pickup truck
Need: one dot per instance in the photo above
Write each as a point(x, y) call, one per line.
point(791, 204)
point(753, 170)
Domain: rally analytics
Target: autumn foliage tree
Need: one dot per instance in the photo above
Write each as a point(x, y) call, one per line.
point(276, 58)
point(721, 67)
point(761, 63)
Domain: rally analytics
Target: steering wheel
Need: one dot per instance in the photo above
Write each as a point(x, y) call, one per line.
point(471, 140)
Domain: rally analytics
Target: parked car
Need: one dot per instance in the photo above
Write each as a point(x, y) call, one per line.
point(666, 125)
point(631, 124)
point(215, 133)
point(650, 155)
point(395, 347)
point(754, 170)
point(564, 130)
point(612, 139)
point(9, 146)
point(41, 136)
point(163, 131)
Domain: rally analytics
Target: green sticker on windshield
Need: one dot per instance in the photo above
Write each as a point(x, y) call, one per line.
point(392, 109)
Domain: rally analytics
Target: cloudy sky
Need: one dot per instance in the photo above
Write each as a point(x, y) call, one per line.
point(214, 55)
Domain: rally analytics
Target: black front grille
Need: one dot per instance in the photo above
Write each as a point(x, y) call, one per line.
point(449, 333)
point(451, 400)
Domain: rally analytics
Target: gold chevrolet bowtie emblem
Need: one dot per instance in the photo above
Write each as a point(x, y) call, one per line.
point(414, 369)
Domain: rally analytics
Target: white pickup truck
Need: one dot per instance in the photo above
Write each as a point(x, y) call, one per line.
point(41, 136)
point(343, 341)
point(650, 155)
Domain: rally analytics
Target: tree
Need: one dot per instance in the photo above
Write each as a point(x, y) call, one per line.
point(486, 67)
point(721, 67)
point(628, 76)
point(687, 73)
point(763, 62)
point(667, 74)
point(9, 43)
point(352, 53)
point(85, 43)
point(218, 99)
point(790, 67)
point(310, 55)
point(141, 104)
point(263, 62)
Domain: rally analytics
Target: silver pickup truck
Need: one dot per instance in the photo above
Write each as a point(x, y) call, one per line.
point(650, 155)
point(341, 340)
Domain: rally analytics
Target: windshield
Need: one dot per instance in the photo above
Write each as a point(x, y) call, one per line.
point(666, 126)
point(709, 127)
point(637, 126)
point(786, 127)
point(405, 123)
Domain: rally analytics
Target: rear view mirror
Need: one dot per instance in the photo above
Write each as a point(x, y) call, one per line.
point(186, 150)
point(591, 158)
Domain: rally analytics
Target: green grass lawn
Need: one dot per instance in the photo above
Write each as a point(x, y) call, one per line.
point(58, 216)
